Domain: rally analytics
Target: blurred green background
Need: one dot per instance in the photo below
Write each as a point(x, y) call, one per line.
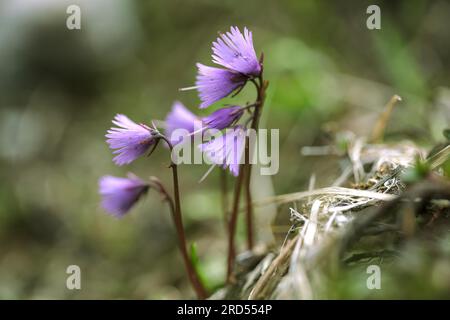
point(59, 90)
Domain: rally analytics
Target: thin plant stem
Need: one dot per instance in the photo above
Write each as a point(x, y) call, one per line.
point(224, 197)
point(261, 88)
point(232, 224)
point(175, 208)
point(244, 171)
point(249, 209)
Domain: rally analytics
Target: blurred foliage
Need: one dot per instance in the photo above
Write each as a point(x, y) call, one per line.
point(59, 90)
point(419, 271)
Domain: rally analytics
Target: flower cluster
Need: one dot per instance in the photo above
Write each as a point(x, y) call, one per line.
point(234, 53)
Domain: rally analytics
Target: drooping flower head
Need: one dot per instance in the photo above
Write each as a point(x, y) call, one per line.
point(120, 194)
point(180, 118)
point(130, 140)
point(223, 118)
point(234, 51)
point(214, 84)
point(227, 149)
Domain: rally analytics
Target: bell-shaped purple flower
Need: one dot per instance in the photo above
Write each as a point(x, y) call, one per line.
point(214, 84)
point(223, 118)
point(235, 52)
point(130, 140)
point(120, 194)
point(180, 118)
point(226, 150)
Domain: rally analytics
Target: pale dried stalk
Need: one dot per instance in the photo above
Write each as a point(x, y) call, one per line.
point(296, 196)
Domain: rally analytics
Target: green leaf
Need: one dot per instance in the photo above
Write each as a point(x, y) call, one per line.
point(446, 133)
point(198, 268)
point(416, 173)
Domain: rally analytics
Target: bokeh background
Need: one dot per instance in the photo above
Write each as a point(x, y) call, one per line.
point(59, 90)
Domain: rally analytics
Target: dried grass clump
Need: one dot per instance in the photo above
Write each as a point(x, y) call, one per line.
point(326, 222)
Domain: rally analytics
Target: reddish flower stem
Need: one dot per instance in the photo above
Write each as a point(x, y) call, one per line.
point(175, 209)
point(224, 197)
point(232, 224)
point(261, 89)
point(245, 172)
point(192, 273)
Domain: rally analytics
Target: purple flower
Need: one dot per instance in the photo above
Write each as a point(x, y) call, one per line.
point(180, 118)
point(120, 194)
point(131, 140)
point(223, 118)
point(214, 84)
point(227, 149)
point(235, 51)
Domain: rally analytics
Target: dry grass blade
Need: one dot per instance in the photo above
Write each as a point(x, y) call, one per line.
point(284, 256)
point(439, 158)
point(296, 196)
point(380, 125)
